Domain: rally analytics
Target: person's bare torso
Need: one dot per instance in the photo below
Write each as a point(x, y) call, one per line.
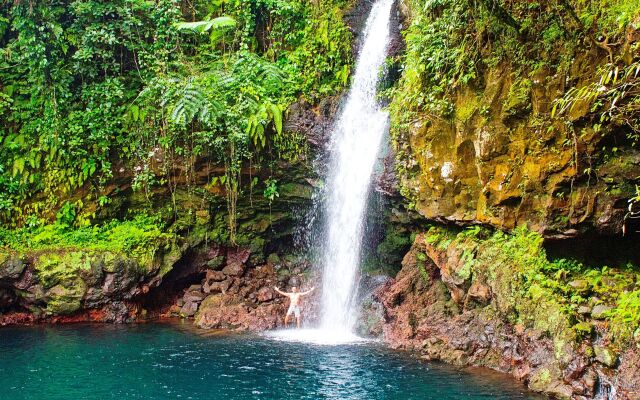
point(294, 298)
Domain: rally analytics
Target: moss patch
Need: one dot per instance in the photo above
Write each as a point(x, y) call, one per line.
point(543, 294)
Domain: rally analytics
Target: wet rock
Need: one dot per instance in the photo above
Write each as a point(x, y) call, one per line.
point(189, 309)
point(545, 380)
point(191, 300)
point(605, 355)
point(64, 300)
point(628, 376)
point(589, 383)
point(194, 288)
point(27, 281)
point(480, 292)
point(580, 285)
point(420, 313)
point(109, 284)
point(116, 312)
point(212, 282)
point(94, 297)
point(238, 256)
point(315, 121)
point(215, 276)
point(217, 287)
point(11, 267)
point(193, 297)
point(600, 311)
point(584, 310)
point(575, 369)
point(265, 294)
point(247, 302)
point(296, 190)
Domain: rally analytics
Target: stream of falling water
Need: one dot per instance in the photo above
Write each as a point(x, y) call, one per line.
point(356, 141)
point(355, 145)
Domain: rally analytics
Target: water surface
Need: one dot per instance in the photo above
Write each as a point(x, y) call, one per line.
point(174, 361)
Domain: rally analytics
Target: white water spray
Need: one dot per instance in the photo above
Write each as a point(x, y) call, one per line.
point(356, 142)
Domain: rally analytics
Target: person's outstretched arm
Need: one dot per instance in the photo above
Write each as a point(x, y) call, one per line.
point(280, 291)
point(308, 291)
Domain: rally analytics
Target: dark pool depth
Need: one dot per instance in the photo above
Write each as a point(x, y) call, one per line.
point(170, 361)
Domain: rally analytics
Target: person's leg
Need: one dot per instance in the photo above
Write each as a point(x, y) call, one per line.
point(286, 320)
point(298, 321)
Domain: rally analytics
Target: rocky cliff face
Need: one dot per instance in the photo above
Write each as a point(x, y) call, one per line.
point(76, 285)
point(507, 116)
point(525, 133)
point(468, 301)
point(500, 161)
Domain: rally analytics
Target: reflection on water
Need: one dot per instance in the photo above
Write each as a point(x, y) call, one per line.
point(161, 361)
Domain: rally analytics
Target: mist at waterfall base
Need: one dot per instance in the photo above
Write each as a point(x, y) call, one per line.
point(178, 361)
point(355, 147)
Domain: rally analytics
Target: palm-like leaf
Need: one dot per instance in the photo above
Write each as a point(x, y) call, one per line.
point(217, 26)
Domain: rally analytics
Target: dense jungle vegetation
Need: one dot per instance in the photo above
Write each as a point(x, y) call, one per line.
point(93, 92)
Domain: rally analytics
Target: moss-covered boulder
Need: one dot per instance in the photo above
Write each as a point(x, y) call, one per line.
point(57, 271)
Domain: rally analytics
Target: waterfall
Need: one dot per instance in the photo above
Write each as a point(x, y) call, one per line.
point(356, 140)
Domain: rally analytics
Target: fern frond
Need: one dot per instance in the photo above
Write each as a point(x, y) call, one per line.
point(217, 27)
point(190, 103)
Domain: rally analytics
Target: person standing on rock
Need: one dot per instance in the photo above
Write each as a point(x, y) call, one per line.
point(294, 303)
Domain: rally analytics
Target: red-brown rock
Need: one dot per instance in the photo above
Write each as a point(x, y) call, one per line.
point(233, 269)
point(265, 294)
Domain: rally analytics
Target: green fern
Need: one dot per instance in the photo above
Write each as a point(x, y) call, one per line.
point(190, 103)
point(256, 127)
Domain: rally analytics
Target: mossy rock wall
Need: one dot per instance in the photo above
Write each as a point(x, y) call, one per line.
point(487, 147)
point(489, 166)
point(63, 282)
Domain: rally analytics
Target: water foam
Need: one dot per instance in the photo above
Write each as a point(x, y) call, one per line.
point(315, 336)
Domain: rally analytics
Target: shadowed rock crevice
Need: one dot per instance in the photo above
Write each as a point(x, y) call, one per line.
point(597, 249)
point(188, 271)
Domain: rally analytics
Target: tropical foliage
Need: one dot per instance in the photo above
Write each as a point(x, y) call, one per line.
point(91, 91)
point(451, 42)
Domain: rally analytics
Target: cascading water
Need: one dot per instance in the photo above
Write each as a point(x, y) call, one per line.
point(356, 140)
